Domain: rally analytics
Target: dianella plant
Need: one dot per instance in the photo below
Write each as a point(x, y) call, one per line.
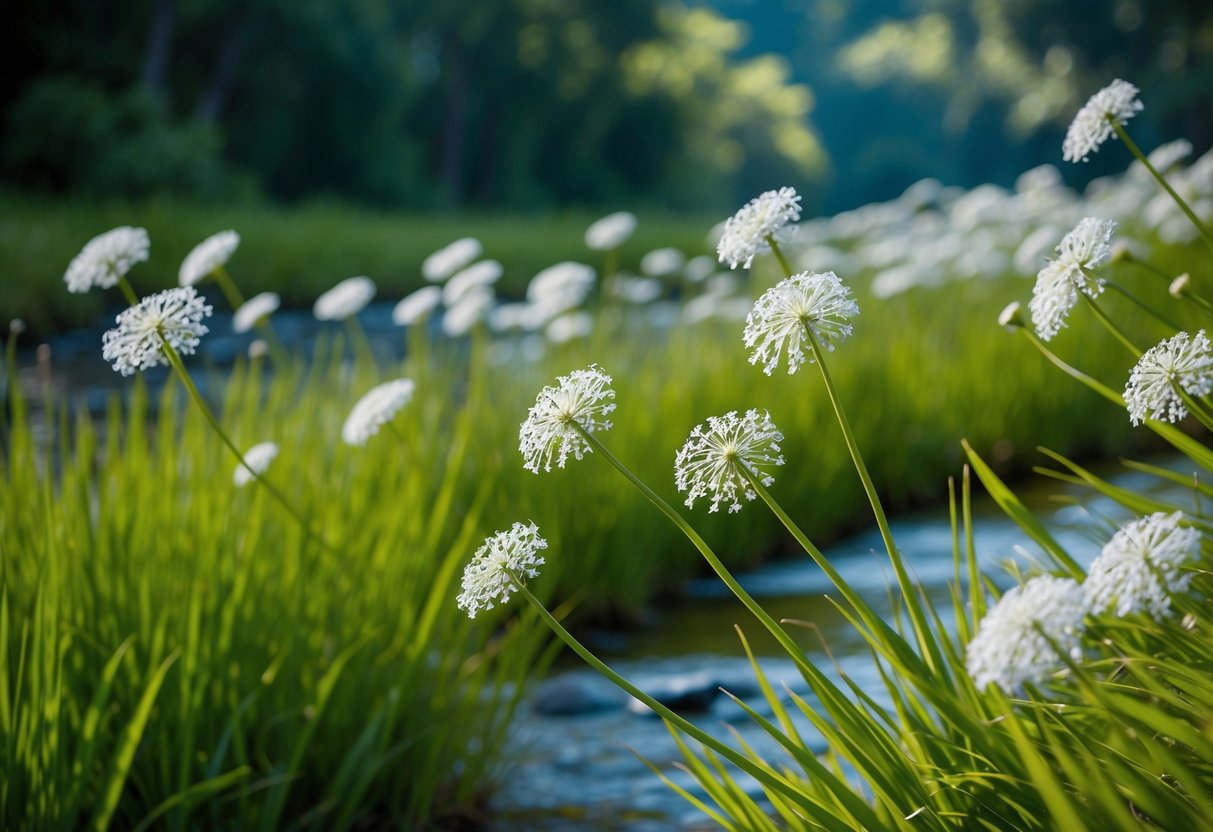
point(1079, 698)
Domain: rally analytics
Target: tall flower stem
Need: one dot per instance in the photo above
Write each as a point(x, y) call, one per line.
point(1102, 317)
point(778, 252)
point(228, 286)
point(127, 292)
point(1141, 157)
point(362, 344)
point(1153, 313)
point(918, 617)
point(178, 365)
point(781, 635)
point(759, 773)
point(891, 639)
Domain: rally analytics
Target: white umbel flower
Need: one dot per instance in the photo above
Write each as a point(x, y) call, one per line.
point(745, 233)
point(1117, 102)
point(376, 409)
point(257, 461)
point(1015, 641)
point(569, 327)
point(662, 262)
point(504, 558)
point(710, 462)
point(447, 260)
point(560, 287)
point(1080, 252)
point(173, 316)
point(345, 300)
point(254, 310)
point(105, 258)
point(482, 273)
point(1182, 362)
point(583, 397)
point(1142, 566)
point(611, 231)
point(208, 255)
point(469, 311)
point(776, 325)
point(416, 306)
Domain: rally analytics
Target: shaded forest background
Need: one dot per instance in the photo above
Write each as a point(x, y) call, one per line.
point(543, 104)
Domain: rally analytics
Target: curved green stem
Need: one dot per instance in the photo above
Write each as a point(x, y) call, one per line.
point(127, 292)
point(891, 638)
point(759, 773)
point(1158, 316)
point(1110, 326)
point(780, 634)
point(228, 287)
point(175, 360)
point(362, 344)
point(783, 262)
point(1141, 157)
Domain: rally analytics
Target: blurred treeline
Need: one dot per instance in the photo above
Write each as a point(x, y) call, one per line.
point(536, 104)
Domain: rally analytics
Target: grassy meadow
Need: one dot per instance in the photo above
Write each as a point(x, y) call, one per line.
point(179, 653)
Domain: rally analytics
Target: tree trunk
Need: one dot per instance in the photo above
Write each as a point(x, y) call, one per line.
point(223, 77)
point(454, 121)
point(159, 48)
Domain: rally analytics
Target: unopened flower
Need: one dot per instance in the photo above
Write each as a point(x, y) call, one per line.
point(1018, 640)
point(210, 254)
point(710, 463)
point(254, 310)
point(777, 323)
point(745, 233)
point(172, 317)
point(661, 262)
point(256, 462)
point(505, 558)
point(482, 273)
point(446, 261)
point(375, 409)
point(582, 398)
point(1011, 316)
point(416, 306)
point(1142, 566)
point(345, 300)
point(105, 258)
point(1180, 286)
point(1115, 103)
point(611, 231)
point(1057, 285)
point(1182, 362)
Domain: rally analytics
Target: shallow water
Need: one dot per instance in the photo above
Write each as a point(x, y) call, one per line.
point(583, 772)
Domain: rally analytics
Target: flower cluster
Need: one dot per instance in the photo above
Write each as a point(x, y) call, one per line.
point(781, 319)
point(1141, 566)
point(447, 260)
point(256, 462)
point(505, 558)
point(611, 231)
point(254, 310)
point(345, 300)
point(210, 254)
point(172, 317)
point(712, 459)
point(746, 233)
point(1180, 363)
point(580, 399)
point(416, 306)
point(106, 258)
point(1059, 282)
point(1018, 640)
point(1115, 103)
point(375, 409)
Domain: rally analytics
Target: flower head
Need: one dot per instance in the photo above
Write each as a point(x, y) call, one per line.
point(1015, 642)
point(482, 273)
point(469, 311)
point(745, 233)
point(256, 462)
point(611, 231)
point(777, 323)
point(710, 462)
point(661, 262)
point(447, 260)
point(1141, 566)
point(173, 316)
point(375, 409)
point(416, 306)
point(345, 300)
point(208, 255)
point(582, 398)
point(1182, 362)
point(504, 558)
point(561, 287)
point(254, 309)
point(105, 258)
point(1059, 282)
point(1115, 103)
point(569, 327)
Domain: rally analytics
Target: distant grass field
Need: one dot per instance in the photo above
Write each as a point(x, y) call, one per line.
point(298, 252)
